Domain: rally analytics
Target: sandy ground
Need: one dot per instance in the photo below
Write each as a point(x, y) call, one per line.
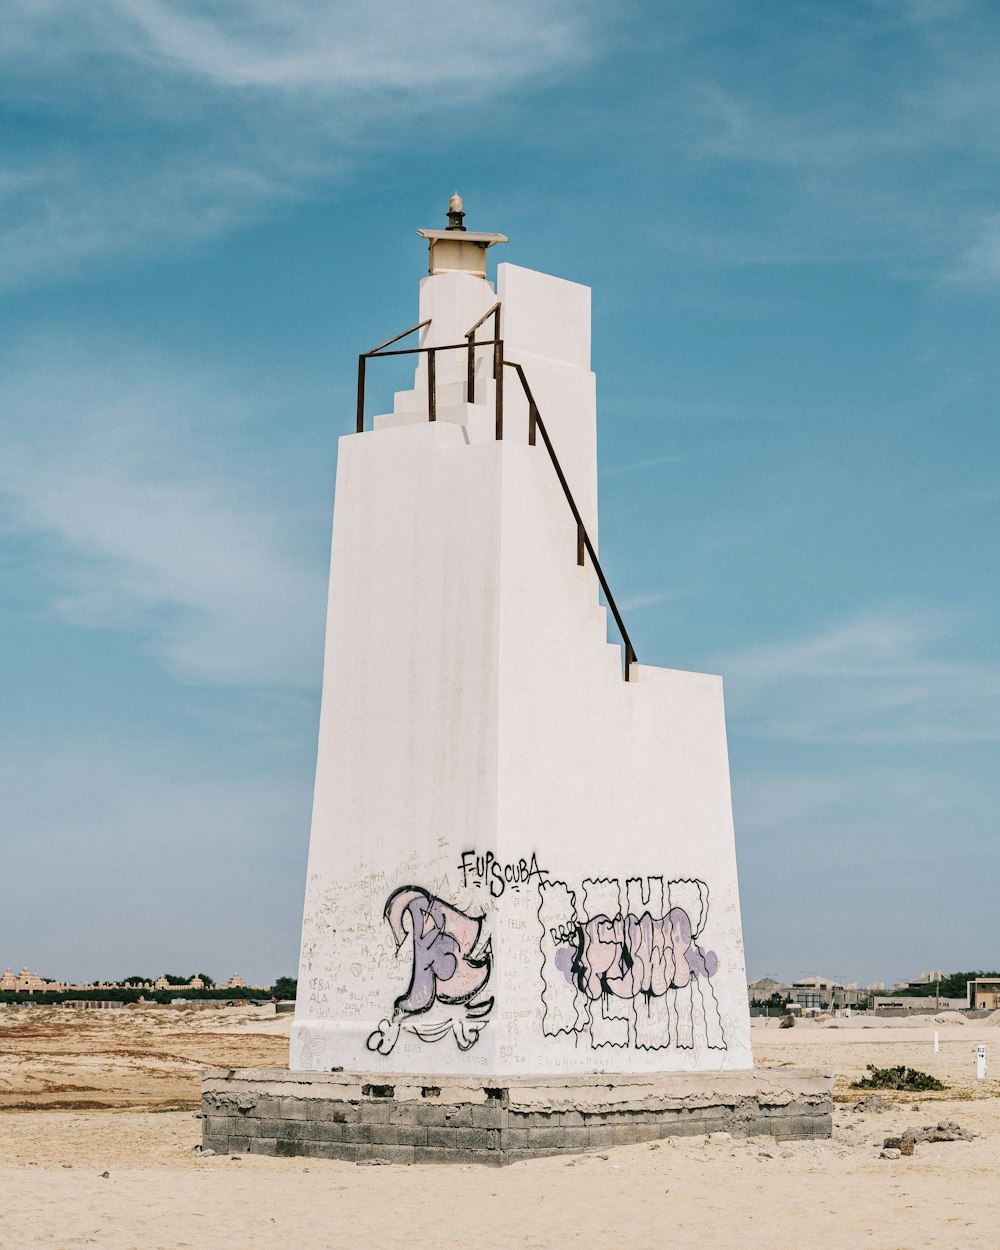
point(145, 1058)
point(127, 1178)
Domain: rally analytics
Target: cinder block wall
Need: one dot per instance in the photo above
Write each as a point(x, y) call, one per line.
point(355, 1119)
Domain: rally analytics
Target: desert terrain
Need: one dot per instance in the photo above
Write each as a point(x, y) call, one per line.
point(98, 1129)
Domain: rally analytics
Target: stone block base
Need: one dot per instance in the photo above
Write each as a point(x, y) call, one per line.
point(360, 1117)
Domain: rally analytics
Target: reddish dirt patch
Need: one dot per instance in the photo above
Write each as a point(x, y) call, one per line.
point(134, 1059)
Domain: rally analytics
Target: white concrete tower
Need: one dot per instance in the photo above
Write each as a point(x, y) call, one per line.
point(520, 863)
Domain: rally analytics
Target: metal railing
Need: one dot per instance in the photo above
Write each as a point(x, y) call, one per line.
point(583, 542)
point(535, 426)
point(498, 362)
point(431, 353)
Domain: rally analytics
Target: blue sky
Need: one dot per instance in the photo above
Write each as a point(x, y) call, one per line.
point(790, 217)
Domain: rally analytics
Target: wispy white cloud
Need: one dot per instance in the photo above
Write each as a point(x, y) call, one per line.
point(650, 598)
point(60, 213)
point(876, 679)
point(135, 475)
point(979, 264)
point(886, 150)
point(639, 466)
point(156, 121)
point(314, 45)
point(302, 46)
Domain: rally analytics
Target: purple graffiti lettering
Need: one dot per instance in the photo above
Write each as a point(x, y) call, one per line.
point(629, 956)
point(450, 965)
point(444, 940)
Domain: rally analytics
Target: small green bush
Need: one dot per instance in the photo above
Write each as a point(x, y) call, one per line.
point(902, 1078)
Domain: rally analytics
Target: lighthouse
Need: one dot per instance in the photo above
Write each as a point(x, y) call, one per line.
point(521, 932)
point(522, 854)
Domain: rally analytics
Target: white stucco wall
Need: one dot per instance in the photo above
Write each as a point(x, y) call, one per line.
point(555, 845)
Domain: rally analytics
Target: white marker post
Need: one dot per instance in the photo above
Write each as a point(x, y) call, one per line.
point(937, 1041)
point(980, 1063)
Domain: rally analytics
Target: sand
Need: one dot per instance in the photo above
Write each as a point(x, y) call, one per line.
point(137, 1057)
point(159, 1195)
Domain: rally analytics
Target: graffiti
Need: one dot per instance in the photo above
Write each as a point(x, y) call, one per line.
point(487, 872)
point(450, 965)
point(628, 971)
point(316, 1053)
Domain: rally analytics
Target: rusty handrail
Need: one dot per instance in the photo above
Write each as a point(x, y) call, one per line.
point(388, 343)
point(374, 352)
point(535, 424)
point(583, 542)
point(490, 312)
point(430, 353)
point(470, 376)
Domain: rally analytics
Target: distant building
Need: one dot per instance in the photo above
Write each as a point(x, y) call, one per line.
point(93, 1004)
point(925, 1003)
point(161, 983)
point(984, 992)
point(764, 988)
point(811, 993)
point(922, 982)
point(822, 994)
point(24, 982)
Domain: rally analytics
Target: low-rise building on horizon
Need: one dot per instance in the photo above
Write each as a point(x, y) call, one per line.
point(984, 992)
point(814, 993)
point(28, 982)
point(765, 988)
point(927, 1003)
point(823, 994)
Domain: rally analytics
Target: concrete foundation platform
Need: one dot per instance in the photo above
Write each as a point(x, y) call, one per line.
point(446, 1119)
